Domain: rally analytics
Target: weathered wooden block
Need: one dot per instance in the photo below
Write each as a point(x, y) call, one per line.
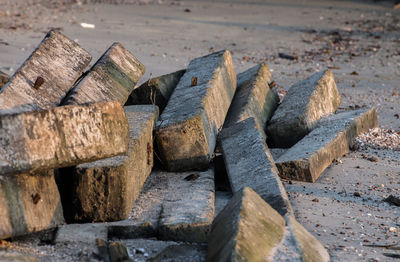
point(156, 91)
point(304, 104)
point(331, 139)
point(249, 163)
point(172, 206)
point(253, 98)
point(189, 217)
point(106, 190)
point(112, 78)
point(248, 229)
point(29, 203)
point(62, 136)
point(46, 76)
point(188, 127)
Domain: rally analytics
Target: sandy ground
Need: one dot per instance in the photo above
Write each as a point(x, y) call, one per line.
point(358, 40)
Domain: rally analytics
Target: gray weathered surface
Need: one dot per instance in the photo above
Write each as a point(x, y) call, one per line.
point(308, 247)
point(189, 217)
point(249, 163)
point(171, 207)
point(247, 229)
point(188, 127)
point(253, 98)
point(113, 77)
point(29, 203)
point(3, 78)
point(59, 61)
point(331, 139)
point(7, 256)
point(156, 91)
point(304, 104)
point(81, 233)
point(106, 190)
point(62, 136)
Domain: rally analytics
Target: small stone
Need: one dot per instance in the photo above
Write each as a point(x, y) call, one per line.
point(373, 159)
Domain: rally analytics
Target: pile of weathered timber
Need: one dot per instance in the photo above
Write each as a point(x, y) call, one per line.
point(71, 152)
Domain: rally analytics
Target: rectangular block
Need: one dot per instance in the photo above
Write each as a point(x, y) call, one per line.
point(62, 136)
point(247, 229)
point(112, 78)
point(156, 91)
point(106, 190)
point(249, 163)
point(172, 206)
point(304, 104)
point(46, 76)
point(331, 139)
point(189, 217)
point(253, 98)
point(29, 203)
point(188, 128)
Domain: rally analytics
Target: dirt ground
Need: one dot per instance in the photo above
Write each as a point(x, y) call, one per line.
point(358, 40)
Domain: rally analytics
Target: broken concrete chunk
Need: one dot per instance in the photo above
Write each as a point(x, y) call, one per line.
point(156, 91)
point(188, 127)
point(107, 189)
point(331, 139)
point(62, 136)
point(253, 98)
point(113, 77)
point(46, 76)
point(249, 163)
point(247, 229)
point(189, 217)
point(29, 203)
point(304, 104)
point(3, 78)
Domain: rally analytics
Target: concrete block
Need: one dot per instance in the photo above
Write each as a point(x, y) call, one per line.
point(249, 163)
point(29, 203)
point(46, 76)
point(189, 217)
point(247, 229)
point(106, 190)
point(253, 98)
point(62, 136)
point(188, 128)
point(304, 104)
point(172, 206)
point(3, 78)
point(112, 78)
point(156, 91)
point(331, 139)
